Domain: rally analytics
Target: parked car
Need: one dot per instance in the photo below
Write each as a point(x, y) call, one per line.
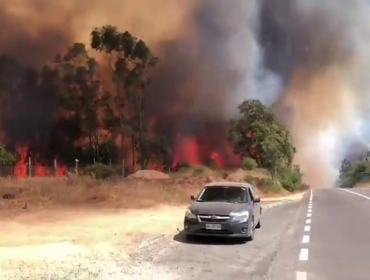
point(226, 209)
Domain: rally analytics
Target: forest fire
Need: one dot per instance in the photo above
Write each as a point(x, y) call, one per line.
point(21, 169)
point(190, 151)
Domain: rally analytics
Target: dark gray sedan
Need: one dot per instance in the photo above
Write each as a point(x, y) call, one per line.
point(224, 209)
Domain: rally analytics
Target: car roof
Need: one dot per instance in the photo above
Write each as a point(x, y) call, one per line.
point(229, 184)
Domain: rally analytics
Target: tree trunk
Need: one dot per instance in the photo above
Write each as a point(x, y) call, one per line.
point(133, 155)
point(121, 148)
point(143, 155)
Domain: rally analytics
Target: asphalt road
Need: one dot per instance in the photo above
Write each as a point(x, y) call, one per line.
point(326, 236)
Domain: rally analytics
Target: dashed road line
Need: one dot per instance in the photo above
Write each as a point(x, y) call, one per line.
point(306, 239)
point(303, 255)
point(301, 275)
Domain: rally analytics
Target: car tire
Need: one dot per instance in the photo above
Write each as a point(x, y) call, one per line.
point(259, 224)
point(189, 238)
point(251, 237)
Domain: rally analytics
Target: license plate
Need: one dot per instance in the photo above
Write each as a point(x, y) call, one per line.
point(213, 226)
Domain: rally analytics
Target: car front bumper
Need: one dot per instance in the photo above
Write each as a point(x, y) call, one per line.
point(229, 228)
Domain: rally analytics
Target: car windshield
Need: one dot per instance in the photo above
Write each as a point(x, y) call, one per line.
point(223, 194)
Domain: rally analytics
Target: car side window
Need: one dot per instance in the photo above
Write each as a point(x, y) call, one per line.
point(250, 192)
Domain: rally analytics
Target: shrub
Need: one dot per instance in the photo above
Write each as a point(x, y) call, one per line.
point(213, 165)
point(250, 179)
point(270, 186)
point(290, 179)
point(249, 163)
point(194, 170)
point(99, 171)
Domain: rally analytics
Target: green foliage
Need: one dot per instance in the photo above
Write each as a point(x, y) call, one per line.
point(270, 186)
point(81, 99)
point(194, 170)
point(352, 173)
point(130, 60)
point(212, 164)
point(6, 157)
point(250, 179)
point(158, 152)
point(290, 179)
point(249, 163)
point(99, 171)
point(259, 135)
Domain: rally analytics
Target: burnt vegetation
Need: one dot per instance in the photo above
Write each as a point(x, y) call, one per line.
point(69, 111)
point(66, 110)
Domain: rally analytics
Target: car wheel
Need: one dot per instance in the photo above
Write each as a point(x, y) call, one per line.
point(189, 238)
point(259, 224)
point(251, 237)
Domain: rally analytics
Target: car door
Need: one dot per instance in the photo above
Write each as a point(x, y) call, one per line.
point(256, 205)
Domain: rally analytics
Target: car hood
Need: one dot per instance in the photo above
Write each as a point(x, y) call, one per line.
point(217, 208)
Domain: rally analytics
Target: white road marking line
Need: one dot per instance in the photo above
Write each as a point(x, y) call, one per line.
point(364, 196)
point(307, 228)
point(309, 211)
point(306, 239)
point(301, 275)
point(311, 195)
point(308, 221)
point(303, 255)
point(309, 215)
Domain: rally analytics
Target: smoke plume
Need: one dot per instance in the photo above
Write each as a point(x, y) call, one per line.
point(309, 58)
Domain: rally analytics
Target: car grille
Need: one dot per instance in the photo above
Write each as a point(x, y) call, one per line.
point(214, 218)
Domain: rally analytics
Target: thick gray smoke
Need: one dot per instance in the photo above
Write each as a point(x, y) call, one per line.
point(319, 48)
point(310, 58)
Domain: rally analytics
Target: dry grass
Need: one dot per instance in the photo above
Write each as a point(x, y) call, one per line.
point(85, 191)
point(79, 191)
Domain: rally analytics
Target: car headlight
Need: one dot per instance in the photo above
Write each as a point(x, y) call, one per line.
point(190, 215)
point(241, 216)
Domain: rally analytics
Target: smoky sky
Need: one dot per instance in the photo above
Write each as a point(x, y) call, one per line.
point(308, 58)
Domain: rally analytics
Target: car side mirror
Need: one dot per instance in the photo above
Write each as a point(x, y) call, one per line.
point(257, 200)
point(192, 197)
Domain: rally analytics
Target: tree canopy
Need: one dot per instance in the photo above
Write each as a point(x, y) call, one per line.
point(6, 157)
point(259, 135)
point(353, 172)
point(130, 61)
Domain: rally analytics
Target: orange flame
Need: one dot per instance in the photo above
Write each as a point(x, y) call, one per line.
point(20, 170)
point(21, 166)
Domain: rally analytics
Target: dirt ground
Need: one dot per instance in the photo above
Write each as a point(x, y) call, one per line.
point(65, 220)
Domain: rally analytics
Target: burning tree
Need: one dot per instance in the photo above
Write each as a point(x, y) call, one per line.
point(130, 60)
point(81, 98)
point(258, 134)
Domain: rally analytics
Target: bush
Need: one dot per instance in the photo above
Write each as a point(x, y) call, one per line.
point(270, 186)
point(290, 179)
point(249, 163)
point(99, 171)
point(194, 170)
point(250, 179)
point(352, 173)
point(213, 165)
